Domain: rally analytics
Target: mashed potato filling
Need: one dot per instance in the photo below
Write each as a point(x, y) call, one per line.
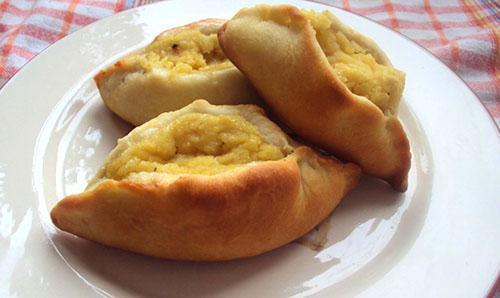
point(195, 144)
point(185, 52)
point(355, 66)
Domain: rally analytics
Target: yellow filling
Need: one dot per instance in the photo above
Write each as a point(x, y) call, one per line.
point(195, 144)
point(355, 66)
point(185, 52)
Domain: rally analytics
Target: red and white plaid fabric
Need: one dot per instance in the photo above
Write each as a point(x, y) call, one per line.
point(462, 33)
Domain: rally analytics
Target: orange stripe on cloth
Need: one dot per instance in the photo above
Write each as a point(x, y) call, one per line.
point(495, 112)
point(442, 37)
point(120, 4)
point(474, 11)
point(6, 50)
point(22, 52)
point(3, 7)
point(406, 7)
point(96, 3)
point(79, 19)
point(8, 73)
point(13, 10)
point(425, 25)
point(392, 15)
point(346, 5)
point(496, 62)
point(68, 18)
point(482, 86)
point(40, 33)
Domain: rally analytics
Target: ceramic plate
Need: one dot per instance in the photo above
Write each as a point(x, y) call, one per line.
point(440, 238)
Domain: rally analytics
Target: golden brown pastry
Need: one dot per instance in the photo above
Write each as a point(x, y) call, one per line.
point(328, 83)
point(179, 66)
point(206, 183)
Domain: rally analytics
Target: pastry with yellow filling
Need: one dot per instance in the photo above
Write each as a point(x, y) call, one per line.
point(206, 183)
point(182, 64)
point(331, 85)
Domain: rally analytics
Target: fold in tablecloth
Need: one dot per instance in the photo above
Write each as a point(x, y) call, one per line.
point(462, 33)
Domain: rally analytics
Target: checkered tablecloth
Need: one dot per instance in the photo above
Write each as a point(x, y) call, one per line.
point(462, 33)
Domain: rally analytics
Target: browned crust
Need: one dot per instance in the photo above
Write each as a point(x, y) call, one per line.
point(232, 215)
point(307, 95)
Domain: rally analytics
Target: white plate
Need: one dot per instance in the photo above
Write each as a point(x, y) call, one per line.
point(441, 238)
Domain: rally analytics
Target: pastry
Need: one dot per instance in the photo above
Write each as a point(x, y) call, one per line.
point(179, 66)
point(206, 183)
point(333, 86)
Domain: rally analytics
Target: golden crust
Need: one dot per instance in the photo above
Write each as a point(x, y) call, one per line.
point(137, 95)
point(307, 95)
point(240, 213)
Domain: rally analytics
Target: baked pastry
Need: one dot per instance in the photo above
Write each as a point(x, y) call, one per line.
point(206, 183)
point(328, 83)
point(179, 66)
